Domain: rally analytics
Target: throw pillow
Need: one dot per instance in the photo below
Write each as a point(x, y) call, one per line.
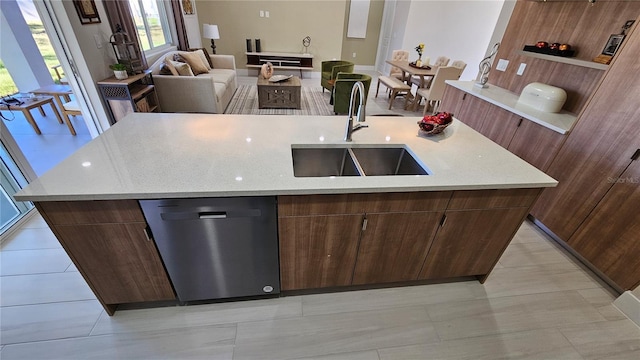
point(168, 62)
point(183, 68)
point(195, 62)
point(204, 55)
point(166, 69)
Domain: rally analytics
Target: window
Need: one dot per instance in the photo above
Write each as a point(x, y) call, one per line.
point(152, 21)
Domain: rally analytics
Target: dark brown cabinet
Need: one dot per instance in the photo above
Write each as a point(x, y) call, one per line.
point(366, 239)
point(318, 251)
point(470, 242)
point(326, 239)
point(393, 246)
point(590, 208)
point(530, 141)
point(107, 242)
point(610, 236)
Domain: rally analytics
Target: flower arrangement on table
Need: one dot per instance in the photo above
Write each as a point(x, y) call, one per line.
point(419, 50)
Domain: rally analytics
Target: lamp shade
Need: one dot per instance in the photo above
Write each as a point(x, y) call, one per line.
point(210, 31)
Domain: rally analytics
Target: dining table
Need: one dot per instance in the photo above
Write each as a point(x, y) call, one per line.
point(408, 70)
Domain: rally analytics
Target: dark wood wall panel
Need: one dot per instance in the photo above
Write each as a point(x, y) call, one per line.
point(584, 26)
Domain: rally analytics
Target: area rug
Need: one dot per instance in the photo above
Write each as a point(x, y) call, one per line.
point(312, 102)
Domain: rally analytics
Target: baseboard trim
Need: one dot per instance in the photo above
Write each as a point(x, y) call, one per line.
point(629, 304)
point(605, 279)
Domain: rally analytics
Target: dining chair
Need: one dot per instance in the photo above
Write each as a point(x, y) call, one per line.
point(459, 64)
point(434, 93)
point(398, 55)
point(440, 61)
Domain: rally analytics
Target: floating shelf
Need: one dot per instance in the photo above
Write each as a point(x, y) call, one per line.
point(565, 60)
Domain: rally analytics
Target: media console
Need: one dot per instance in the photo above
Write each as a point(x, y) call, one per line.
point(280, 60)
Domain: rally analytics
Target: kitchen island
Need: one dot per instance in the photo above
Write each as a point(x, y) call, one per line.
point(454, 222)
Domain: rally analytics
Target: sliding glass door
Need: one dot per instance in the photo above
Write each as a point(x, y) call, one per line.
point(11, 181)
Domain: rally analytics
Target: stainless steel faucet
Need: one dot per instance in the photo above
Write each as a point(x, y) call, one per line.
point(360, 114)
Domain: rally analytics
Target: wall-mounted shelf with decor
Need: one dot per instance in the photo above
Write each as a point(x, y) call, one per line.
point(565, 60)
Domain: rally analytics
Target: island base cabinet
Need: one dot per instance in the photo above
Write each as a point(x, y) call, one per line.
point(393, 246)
point(318, 251)
point(470, 242)
point(108, 243)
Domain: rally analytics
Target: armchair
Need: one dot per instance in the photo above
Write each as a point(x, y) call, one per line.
point(342, 90)
point(330, 70)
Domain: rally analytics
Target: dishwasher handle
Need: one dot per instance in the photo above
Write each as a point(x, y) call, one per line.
point(202, 214)
point(212, 215)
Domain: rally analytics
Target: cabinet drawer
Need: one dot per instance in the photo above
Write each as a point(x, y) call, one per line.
point(90, 212)
point(301, 205)
point(492, 199)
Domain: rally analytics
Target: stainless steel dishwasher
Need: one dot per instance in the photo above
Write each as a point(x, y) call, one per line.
point(217, 248)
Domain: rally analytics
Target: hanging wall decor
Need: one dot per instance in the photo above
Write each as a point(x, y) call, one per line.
point(87, 11)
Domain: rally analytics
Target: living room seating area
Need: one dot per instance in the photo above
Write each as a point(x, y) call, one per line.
point(208, 91)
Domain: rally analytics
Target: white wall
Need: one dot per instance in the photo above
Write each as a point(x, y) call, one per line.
point(460, 30)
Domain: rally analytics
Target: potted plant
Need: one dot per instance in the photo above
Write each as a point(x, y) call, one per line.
point(119, 70)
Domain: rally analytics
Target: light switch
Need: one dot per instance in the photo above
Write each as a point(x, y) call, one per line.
point(266, 14)
point(502, 65)
point(261, 13)
point(98, 41)
point(521, 69)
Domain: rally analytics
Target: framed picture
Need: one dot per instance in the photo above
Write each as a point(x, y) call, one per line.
point(613, 44)
point(187, 7)
point(87, 11)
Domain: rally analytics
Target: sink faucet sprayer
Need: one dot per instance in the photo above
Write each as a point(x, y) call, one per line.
point(360, 115)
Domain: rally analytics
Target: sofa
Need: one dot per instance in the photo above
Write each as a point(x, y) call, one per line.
point(204, 93)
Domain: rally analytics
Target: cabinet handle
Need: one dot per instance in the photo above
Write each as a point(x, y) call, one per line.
point(464, 96)
point(364, 224)
point(519, 122)
point(147, 233)
point(443, 220)
point(635, 155)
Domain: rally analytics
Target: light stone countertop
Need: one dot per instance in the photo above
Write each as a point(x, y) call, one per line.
point(151, 155)
point(561, 122)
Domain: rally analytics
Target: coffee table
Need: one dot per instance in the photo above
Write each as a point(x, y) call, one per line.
point(279, 95)
point(32, 103)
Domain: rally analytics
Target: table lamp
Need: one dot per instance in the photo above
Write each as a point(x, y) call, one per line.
point(211, 32)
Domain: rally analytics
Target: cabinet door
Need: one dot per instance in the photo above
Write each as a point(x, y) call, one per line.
point(610, 237)
point(394, 245)
point(473, 112)
point(470, 242)
point(536, 144)
point(499, 125)
point(598, 148)
point(318, 251)
point(452, 100)
point(118, 261)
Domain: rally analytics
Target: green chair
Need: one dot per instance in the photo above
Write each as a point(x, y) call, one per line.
point(330, 70)
point(342, 90)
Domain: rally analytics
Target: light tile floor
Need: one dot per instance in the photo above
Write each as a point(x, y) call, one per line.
point(538, 303)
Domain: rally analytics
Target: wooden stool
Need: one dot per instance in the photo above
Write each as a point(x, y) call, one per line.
point(396, 86)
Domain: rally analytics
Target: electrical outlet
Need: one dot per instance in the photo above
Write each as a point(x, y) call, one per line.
point(354, 55)
point(266, 14)
point(502, 65)
point(521, 69)
point(261, 13)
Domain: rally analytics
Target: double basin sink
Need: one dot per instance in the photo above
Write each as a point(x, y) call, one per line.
point(330, 161)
